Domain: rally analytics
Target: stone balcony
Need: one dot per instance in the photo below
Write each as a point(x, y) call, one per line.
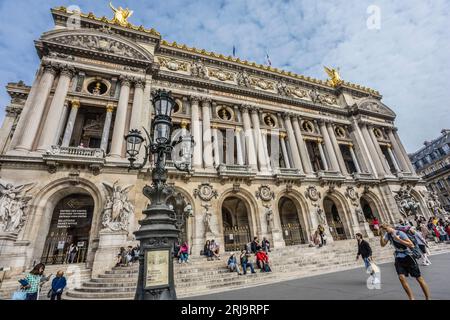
point(330, 176)
point(94, 158)
point(234, 170)
point(363, 177)
point(288, 173)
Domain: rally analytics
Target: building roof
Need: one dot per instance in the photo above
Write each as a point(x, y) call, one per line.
point(430, 146)
point(203, 52)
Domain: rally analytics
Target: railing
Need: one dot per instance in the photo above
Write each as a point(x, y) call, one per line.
point(77, 151)
point(234, 170)
point(288, 171)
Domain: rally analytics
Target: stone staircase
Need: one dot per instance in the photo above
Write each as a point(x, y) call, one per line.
point(76, 275)
point(201, 277)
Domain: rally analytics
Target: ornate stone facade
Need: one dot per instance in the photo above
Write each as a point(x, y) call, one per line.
point(275, 153)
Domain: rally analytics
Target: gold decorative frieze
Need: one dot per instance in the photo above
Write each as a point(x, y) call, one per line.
point(299, 93)
point(172, 64)
point(263, 84)
point(221, 75)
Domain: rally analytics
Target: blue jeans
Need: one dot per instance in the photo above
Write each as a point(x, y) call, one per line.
point(248, 264)
point(184, 256)
point(366, 263)
point(234, 267)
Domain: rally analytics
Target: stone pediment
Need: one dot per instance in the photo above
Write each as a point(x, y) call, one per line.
point(373, 105)
point(100, 42)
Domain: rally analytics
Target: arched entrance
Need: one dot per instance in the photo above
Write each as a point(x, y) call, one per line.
point(236, 223)
point(71, 223)
point(335, 219)
point(370, 211)
point(293, 231)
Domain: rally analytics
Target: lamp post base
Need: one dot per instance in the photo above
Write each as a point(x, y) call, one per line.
point(157, 236)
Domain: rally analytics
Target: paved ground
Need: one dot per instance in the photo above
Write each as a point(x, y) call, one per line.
point(348, 285)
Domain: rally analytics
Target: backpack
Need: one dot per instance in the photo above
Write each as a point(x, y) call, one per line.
point(415, 251)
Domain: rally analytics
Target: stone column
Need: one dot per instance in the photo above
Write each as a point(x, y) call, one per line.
point(106, 128)
point(384, 162)
point(8, 122)
point(403, 152)
point(249, 142)
point(372, 151)
point(48, 135)
point(259, 145)
point(355, 160)
point(394, 160)
point(366, 160)
point(216, 147)
point(237, 136)
point(329, 147)
point(337, 149)
point(146, 115)
point(121, 117)
point(398, 152)
point(266, 149)
point(197, 160)
point(322, 155)
point(207, 143)
point(75, 105)
point(26, 110)
point(62, 122)
point(292, 143)
point(306, 162)
point(35, 115)
point(284, 150)
point(136, 111)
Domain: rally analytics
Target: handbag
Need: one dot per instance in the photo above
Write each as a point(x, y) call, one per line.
point(19, 295)
point(49, 293)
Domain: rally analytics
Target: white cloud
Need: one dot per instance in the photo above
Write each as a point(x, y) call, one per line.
point(406, 60)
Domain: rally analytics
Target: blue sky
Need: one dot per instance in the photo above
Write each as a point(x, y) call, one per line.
point(406, 59)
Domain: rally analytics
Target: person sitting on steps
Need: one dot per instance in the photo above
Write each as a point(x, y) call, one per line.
point(232, 264)
point(262, 261)
point(245, 262)
point(255, 246)
point(214, 250)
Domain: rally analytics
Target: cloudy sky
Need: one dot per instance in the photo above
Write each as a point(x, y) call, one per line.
point(403, 52)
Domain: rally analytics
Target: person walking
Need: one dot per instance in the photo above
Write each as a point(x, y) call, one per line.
point(364, 250)
point(58, 285)
point(405, 263)
point(34, 281)
point(72, 253)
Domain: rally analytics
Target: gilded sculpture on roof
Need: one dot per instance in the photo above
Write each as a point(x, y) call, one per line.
point(335, 79)
point(121, 15)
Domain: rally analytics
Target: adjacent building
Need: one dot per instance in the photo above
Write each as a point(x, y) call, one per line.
point(432, 162)
point(276, 153)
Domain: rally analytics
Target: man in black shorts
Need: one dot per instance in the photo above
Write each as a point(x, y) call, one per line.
point(405, 264)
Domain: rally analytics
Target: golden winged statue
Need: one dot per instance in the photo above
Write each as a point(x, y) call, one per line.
point(121, 15)
point(335, 79)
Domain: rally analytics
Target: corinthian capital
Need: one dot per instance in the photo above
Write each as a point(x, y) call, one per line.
point(244, 108)
point(194, 99)
point(139, 83)
point(125, 80)
point(254, 109)
point(206, 100)
point(68, 71)
point(50, 67)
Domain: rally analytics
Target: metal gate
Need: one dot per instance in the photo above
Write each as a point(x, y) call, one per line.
point(57, 246)
point(292, 234)
point(236, 238)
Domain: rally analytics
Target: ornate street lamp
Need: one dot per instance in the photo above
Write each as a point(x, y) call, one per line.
point(158, 230)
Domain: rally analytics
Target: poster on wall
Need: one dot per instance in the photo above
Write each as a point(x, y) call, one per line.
point(61, 245)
